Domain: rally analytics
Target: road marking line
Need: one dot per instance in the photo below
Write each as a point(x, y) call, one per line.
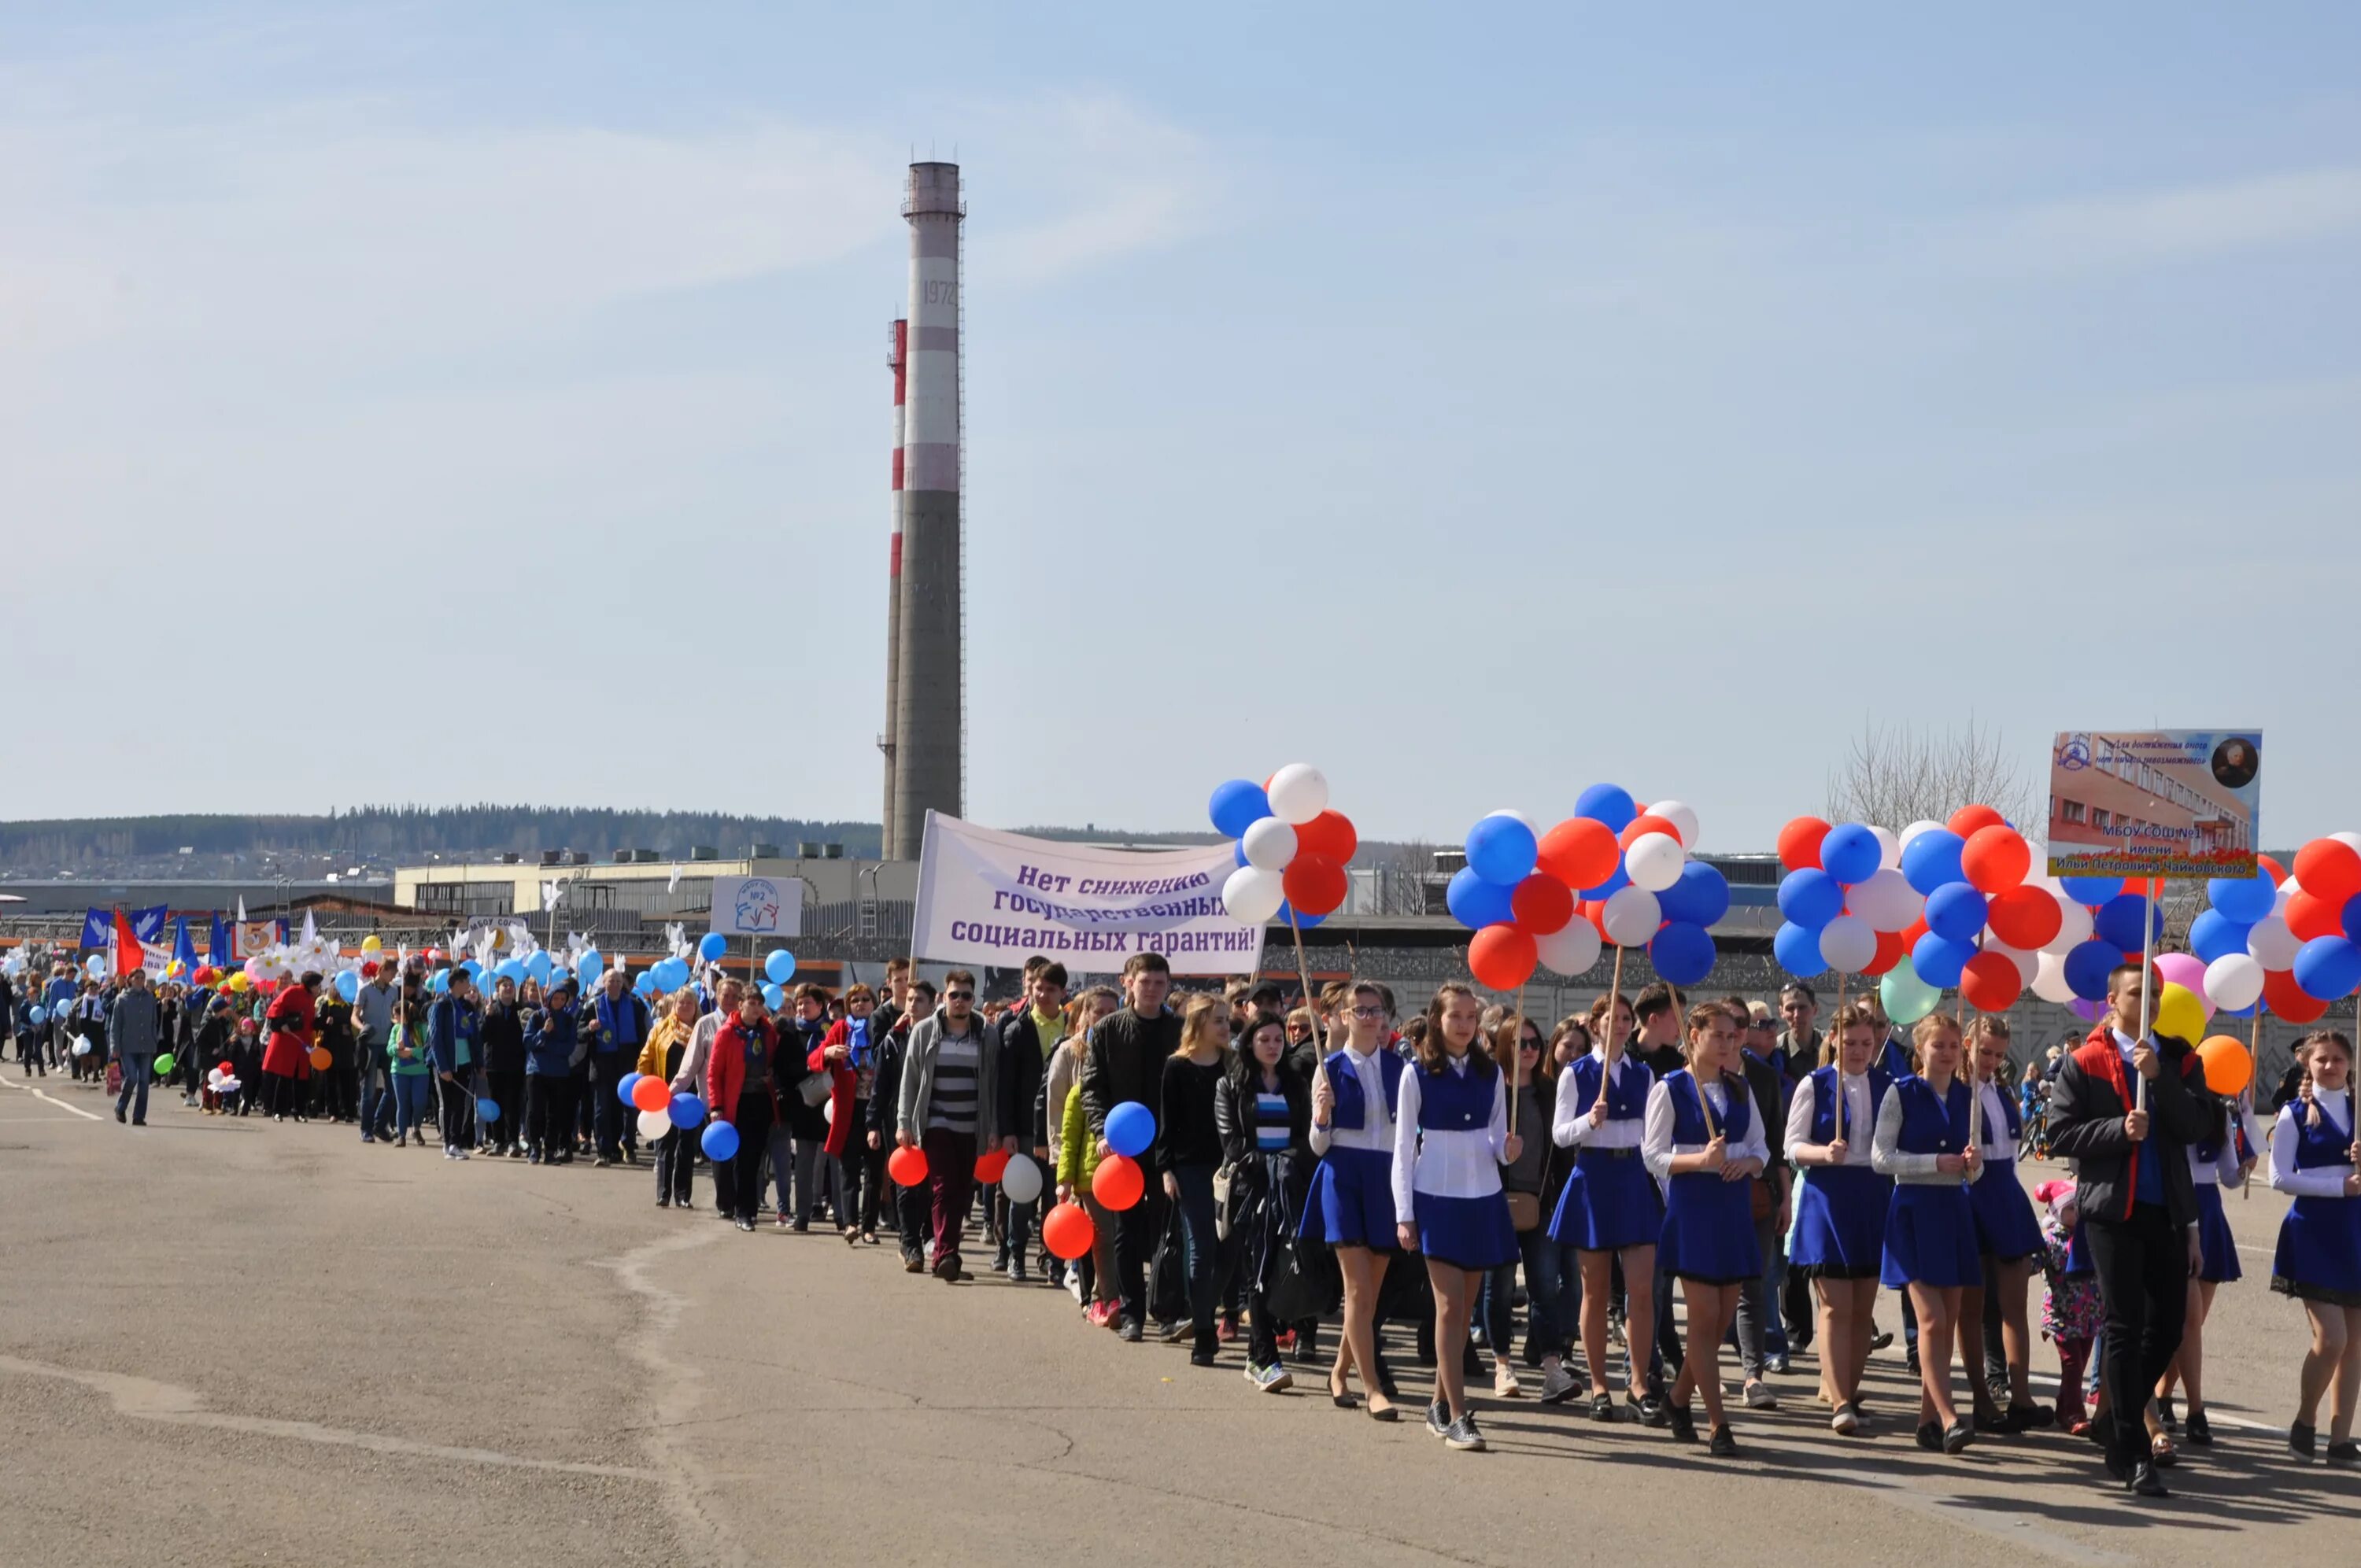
point(37, 1094)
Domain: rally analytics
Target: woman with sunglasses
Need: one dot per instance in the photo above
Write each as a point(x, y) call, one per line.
point(1355, 1092)
point(1610, 1210)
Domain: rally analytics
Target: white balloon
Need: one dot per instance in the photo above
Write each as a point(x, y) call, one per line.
point(2233, 981)
point(2287, 890)
point(827, 1110)
point(2027, 964)
point(1253, 896)
point(1654, 862)
point(2050, 980)
point(1886, 901)
point(2350, 840)
point(2074, 928)
point(1021, 1180)
point(1511, 811)
point(1269, 843)
point(1921, 825)
point(1298, 793)
point(2272, 944)
point(1681, 815)
point(654, 1124)
point(1848, 943)
point(1571, 950)
point(1632, 916)
point(1889, 847)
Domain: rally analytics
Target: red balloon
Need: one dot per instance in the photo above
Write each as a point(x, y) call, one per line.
point(1995, 859)
point(1315, 884)
point(1643, 823)
point(229, 1071)
point(906, 1166)
point(1969, 820)
point(1501, 956)
point(1916, 929)
point(2309, 915)
point(2328, 869)
point(1542, 904)
point(1579, 852)
point(1331, 836)
point(1117, 1183)
point(1594, 911)
point(2027, 916)
point(2270, 863)
point(1889, 949)
point(2288, 1000)
point(1799, 844)
point(1067, 1231)
point(1990, 983)
point(990, 1166)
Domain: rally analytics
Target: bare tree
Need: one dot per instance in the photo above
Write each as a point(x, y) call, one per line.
point(1897, 774)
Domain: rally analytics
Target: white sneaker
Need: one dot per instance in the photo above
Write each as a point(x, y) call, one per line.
point(1504, 1383)
point(450, 1153)
point(1760, 1397)
point(1556, 1383)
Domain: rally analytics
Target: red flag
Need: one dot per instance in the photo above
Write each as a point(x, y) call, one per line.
point(129, 954)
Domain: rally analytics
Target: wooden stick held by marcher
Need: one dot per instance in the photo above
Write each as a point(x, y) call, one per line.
point(1613, 1048)
point(2149, 887)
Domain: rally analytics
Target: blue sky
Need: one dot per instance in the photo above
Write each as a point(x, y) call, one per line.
point(1477, 402)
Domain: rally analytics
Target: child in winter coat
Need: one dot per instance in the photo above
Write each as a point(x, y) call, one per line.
point(2070, 1313)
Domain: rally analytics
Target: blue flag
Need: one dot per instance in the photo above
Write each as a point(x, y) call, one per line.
point(148, 925)
point(217, 943)
point(97, 929)
point(184, 946)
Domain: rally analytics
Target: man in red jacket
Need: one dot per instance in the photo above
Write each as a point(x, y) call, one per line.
point(287, 1060)
point(739, 1091)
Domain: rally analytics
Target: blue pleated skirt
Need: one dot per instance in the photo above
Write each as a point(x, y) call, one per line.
point(1841, 1222)
point(1931, 1237)
point(1474, 1233)
point(2319, 1256)
point(1609, 1203)
point(2213, 1237)
point(1352, 1200)
point(2005, 1225)
point(1709, 1231)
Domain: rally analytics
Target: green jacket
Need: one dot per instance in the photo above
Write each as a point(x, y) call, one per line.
point(419, 1062)
point(1078, 1152)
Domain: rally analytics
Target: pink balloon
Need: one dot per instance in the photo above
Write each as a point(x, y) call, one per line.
point(2185, 969)
point(2084, 1008)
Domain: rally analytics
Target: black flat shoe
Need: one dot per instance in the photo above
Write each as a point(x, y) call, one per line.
point(2301, 1440)
point(1343, 1399)
point(1683, 1422)
point(2344, 1453)
point(2147, 1483)
point(1723, 1445)
point(2197, 1430)
point(1930, 1437)
point(1958, 1438)
point(2039, 1418)
point(1602, 1406)
point(2165, 1414)
point(1385, 1412)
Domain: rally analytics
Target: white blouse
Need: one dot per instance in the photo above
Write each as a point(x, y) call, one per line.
point(2225, 1170)
point(1446, 1162)
point(1657, 1150)
point(1991, 1126)
point(2321, 1180)
point(1859, 1113)
point(1377, 1128)
point(1912, 1169)
point(1570, 1123)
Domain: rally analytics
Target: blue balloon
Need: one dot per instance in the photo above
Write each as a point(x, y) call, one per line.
point(1931, 859)
point(1941, 960)
point(1474, 903)
point(2120, 921)
point(646, 984)
point(719, 1142)
point(39, 1015)
point(672, 974)
point(623, 1087)
point(1611, 886)
point(1682, 953)
point(2328, 968)
point(2088, 966)
point(538, 965)
point(2351, 917)
point(779, 967)
point(475, 969)
point(439, 981)
point(1798, 951)
point(1610, 803)
point(1130, 1128)
point(1303, 922)
point(2094, 889)
point(589, 967)
point(1810, 898)
point(1850, 853)
point(1699, 898)
point(2243, 900)
point(510, 971)
point(686, 1111)
point(348, 986)
point(711, 946)
point(2214, 934)
point(774, 997)
point(1501, 849)
point(488, 1110)
point(1957, 911)
point(1237, 806)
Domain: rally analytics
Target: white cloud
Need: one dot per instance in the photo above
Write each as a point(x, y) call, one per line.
point(2187, 224)
point(1100, 179)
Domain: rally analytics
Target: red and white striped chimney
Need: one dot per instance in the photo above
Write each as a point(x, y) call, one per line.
point(898, 346)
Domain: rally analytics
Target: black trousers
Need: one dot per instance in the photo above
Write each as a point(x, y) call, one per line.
point(507, 1090)
point(549, 1115)
point(675, 1165)
point(1136, 1232)
point(341, 1090)
point(459, 1112)
point(738, 1182)
point(2142, 1268)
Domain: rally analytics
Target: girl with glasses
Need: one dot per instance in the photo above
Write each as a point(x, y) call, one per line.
point(1354, 1092)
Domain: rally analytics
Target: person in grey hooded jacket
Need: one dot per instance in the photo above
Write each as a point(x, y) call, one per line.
point(133, 1026)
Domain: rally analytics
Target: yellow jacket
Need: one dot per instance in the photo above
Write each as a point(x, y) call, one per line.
point(661, 1039)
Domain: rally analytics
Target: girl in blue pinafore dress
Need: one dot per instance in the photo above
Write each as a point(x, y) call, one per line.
point(2313, 1151)
point(1351, 1204)
point(1705, 1143)
point(1930, 1224)
point(1841, 1202)
point(2222, 1160)
point(1609, 1208)
point(1451, 1137)
point(2008, 1235)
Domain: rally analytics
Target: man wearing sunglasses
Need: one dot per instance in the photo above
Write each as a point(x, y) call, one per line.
point(950, 1107)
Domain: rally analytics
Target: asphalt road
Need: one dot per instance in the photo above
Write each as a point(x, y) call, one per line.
point(244, 1342)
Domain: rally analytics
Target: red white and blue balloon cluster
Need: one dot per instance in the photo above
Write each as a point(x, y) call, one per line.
point(2293, 942)
point(1292, 851)
point(1611, 873)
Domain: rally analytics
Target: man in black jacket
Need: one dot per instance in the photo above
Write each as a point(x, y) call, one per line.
point(2137, 1198)
point(884, 1097)
point(1029, 1032)
point(1126, 1062)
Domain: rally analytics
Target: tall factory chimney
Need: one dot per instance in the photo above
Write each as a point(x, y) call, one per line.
point(897, 344)
point(929, 685)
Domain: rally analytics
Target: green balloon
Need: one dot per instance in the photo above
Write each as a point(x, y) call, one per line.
point(1906, 997)
point(164, 1064)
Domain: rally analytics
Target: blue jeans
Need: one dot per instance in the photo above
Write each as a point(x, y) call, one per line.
point(136, 1069)
point(1550, 1311)
point(409, 1102)
point(377, 1092)
point(1757, 1329)
point(1200, 1251)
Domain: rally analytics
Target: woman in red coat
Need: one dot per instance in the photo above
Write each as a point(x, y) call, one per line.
point(833, 1055)
point(286, 1059)
point(739, 1089)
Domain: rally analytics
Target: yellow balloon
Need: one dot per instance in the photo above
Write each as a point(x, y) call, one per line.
point(2180, 1014)
point(372, 944)
point(238, 981)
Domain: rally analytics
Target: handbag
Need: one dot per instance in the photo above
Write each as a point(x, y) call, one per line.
point(1221, 1181)
point(814, 1087)
point(1524, 1211)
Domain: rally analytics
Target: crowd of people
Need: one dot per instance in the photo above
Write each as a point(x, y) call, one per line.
point(1336, 1162)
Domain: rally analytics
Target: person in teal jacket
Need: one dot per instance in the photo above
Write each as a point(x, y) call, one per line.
point(405, 1051)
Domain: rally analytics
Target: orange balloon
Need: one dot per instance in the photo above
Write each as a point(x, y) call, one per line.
point(990, 1166)
point(1997, 859)
point(1501, 956)
point(651, 1094)
point(2328, 869)
point(1067, 1231)
point(2309, 915)
point(906, 1166)
point(1579, 852)
point(320, 1059)
point(2228, 1067)
point(1799, 843)
point(1118, 1182)
point(2270, 863)
point(1971, 820)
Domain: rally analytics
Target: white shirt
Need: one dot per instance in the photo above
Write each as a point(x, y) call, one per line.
point(2321, 1180)
point(2224, 1169)
point(1570, 1123)
point(1991, 1126)
point(1915, 1170)
point(1450, 1162)
point(1860, 1112)
point(1377, 1128)
point(1657, 1150)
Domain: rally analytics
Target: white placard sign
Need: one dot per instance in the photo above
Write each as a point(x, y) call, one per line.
point(758, 905)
